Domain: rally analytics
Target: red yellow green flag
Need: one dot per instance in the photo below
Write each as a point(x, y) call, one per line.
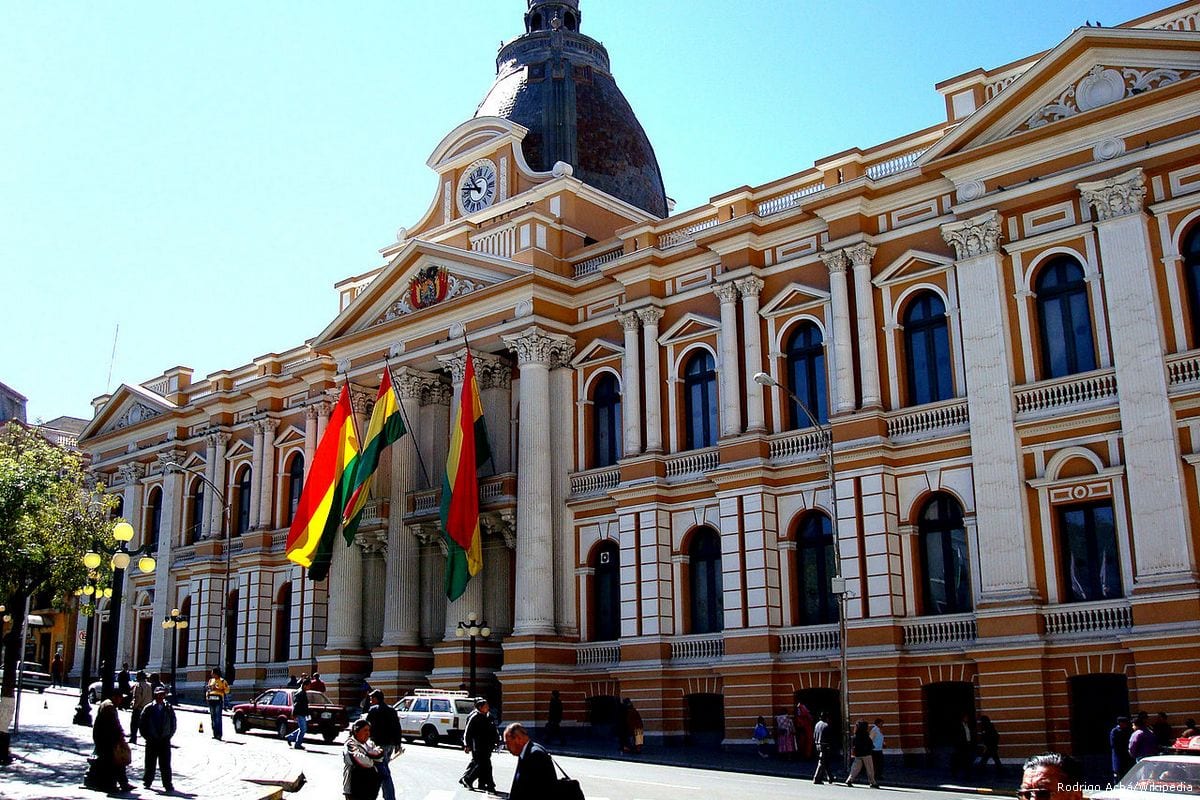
point(469, 450)
point(386, 426)
point(314, 525)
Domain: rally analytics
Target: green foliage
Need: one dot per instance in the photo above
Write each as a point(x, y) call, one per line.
point(50, 515)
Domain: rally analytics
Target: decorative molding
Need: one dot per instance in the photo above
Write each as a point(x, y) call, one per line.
point(650, 315)
point(535, 346)
point(455, 286)
point(132, 473)
point(265, 425)
point(726, 292)
point(1107, 149)
point(1117, 196)
point(371, 542)
point(134, 415)
point(629, 320)
point(860, 255)
point(361, 401)
point(218, 439)
point(970, 190)
point(171, 460)
point(974, 237)
point(494, 373)
point(749, 287)
point(835, 261)
point(1100, 87)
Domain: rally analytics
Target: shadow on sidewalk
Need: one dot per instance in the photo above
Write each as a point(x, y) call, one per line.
point(50, 758)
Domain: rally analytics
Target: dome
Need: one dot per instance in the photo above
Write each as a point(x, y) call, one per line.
point(556, 82)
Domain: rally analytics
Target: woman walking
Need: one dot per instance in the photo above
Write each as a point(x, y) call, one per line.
point(785, 734)
point(861, 748)
point(360, 779)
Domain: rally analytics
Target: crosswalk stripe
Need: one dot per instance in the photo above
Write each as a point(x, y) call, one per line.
point(440, 794)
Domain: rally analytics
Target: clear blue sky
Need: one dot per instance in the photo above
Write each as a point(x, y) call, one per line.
point(202, 173)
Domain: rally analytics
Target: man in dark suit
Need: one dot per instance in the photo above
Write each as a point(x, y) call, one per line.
point(479, 739)
point(535, 778)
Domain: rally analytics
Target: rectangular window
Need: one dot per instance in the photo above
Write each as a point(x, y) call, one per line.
point(1091, 559)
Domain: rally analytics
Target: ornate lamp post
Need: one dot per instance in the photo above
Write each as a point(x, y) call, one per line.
point(93, 593)
point(837, 584)
point(473, 628)
point(121, 555)
point(175, 622)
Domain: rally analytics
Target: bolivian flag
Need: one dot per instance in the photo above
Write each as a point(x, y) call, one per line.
point(386, 426)
point(314, 526)
point(460, 487)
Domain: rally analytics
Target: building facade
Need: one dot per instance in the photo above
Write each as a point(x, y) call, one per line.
point(997, 316)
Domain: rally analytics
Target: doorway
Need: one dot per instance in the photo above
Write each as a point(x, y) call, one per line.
point(706, 719)
point(946, 704)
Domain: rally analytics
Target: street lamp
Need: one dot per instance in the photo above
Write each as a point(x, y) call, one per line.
point(175, 622)
point(473, 628)
point(92, 591)
point(837, 584)
point(121, 556)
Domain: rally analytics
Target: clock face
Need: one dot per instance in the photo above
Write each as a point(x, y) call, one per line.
point(477, 187)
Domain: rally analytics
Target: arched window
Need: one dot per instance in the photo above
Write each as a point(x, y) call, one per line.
point(606, 421)
point(606, 592)
point(243, 501)
point(1088, 543)
point(195, 528)
point(700, 401)
point(927, 350)
point(153, 516)
point(806, 375)
point(1191, 273)
point(1065, 319)
point(295, 484)
point(945, 561)
point(815, 566)
point(283, 621)
point(704, 574)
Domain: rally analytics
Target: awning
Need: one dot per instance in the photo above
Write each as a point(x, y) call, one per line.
point(36, 621)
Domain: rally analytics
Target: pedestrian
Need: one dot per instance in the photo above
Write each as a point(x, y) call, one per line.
point(761, 736)
point(1051, 776)
point(1118, 745)
point(877, 747)
point(1164, 734)
point(300, 712)
point(315, 683)
point(292, 683)
point(785, 734)
point(479, 739)
point(143, 695)
point(158, 726)
point(554, 719)
point(385, 732)
point(215, 693)
point(56, 669)
point(124, 684)
point(989, 742)
point(635, 733)
point(535, 778)
point(1189, 728)
point(360, 778)
point(861, 749)
point(963, 757)
point(825, 740)
point(804, 731)
point(364, 698)
point(112, 751)
point(1142, 742)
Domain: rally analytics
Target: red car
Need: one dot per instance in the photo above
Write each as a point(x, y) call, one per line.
point(273, 711)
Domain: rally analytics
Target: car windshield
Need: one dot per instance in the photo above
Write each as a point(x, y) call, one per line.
point(318, 699)
point(1166, 777)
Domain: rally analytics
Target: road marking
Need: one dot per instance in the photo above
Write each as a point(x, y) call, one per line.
point(644, 783)
point(440, 794)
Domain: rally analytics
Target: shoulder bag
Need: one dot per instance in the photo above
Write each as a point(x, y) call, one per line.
point(568, 787)
point(122, 755)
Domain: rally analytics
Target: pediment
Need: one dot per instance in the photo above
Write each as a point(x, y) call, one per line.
point(239, 449)
point(474, 138)
point(599, 350)
point(194, 461)
point(794, 297)
point(289, 435)
point(419, 279)
point(690, 326)
point(1092, 69)
point(912, 265)
point(129, 406)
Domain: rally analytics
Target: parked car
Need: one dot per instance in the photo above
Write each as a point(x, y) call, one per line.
point(273, 710)
point(32, 678)
point(434, 715)
point(96, 687)
point(1165, 776)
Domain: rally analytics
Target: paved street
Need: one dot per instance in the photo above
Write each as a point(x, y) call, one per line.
point(51, 760)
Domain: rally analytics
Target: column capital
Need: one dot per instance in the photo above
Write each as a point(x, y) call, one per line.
point(361, 401)
point(650, 315)
point(371, 541)
point(629, 320)
point(132, 473)
point(265, 425)
point(311, 411)
point(977, 236)
point(860, 255)
point(216, 438)
point(170, 460)
point(414, 384)
point(726, 292)
point(1117, 196)
point(494, 372)
point(749, 287)
point(535, 346)
point(835, 261)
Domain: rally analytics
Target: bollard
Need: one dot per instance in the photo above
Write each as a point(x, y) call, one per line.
point(202, 726)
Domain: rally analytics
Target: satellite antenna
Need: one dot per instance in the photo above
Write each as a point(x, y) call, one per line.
point(111, 359)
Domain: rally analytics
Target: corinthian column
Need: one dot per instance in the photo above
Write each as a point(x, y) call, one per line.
point(1151, 444)
point(311, 413)
point(266, 473)
point(843, 353)
point(215, 511)
point(631, 393)
point(256, 475)
point(751, 288)
point(650, 317)
point(1005, 571)
point(864, 302)
point(536, 351)
point(731, 404)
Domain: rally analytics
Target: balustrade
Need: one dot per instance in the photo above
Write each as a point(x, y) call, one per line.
point(596, 263)
point(940, 631)
point(595, 481)
point(810, 443)
point(684, 235)
point(704, 646)
point(594, 654)
point(893, 165)
point(789, 200)
point(933, 417)
point(693, 463)
point(500, 242)
point(809, 639)
point(1184, 368)
point(1104, 615)
point(1088, 388)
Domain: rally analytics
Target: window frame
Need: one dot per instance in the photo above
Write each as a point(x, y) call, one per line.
point(944, 528)
point(812, 357)
point(606, 418)
point(706, 602)
point(702, 379)
point(1068, 298)
point(1064, 551)
point(933, 334)
point(813, 527)
point(606, 578)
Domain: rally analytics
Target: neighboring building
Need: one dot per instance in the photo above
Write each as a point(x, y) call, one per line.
point(999, 315)
point(12, 404)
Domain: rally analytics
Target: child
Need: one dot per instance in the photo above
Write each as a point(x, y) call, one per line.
point(761, 736)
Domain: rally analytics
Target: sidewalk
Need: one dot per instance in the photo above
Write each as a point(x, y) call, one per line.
point(895, 773)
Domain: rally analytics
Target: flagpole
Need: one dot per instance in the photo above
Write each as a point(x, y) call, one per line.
point(387, 364)
point(486, 432)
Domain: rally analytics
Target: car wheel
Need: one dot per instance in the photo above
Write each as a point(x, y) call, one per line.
point(239, 723)
point(329, 736)
point(281, 728)
point(429, 735)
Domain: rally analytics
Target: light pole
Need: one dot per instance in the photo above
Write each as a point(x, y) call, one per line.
point(175, 622)
point(121, 556)
point(92, 591)
point(837, 584)
point(473, 628)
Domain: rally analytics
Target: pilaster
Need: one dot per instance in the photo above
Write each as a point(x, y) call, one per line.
point(750, 289)
point(731, 403)
point(267, 479)
point(843, 352)
point(650, 317)
point(631, 393)
point(860, 256)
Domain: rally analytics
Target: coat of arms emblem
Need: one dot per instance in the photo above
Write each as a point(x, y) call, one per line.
point(428, 287)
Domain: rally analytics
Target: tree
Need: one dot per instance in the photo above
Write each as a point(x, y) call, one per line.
point(50, 515)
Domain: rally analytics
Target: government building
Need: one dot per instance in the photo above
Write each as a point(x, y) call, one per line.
point(995, 322)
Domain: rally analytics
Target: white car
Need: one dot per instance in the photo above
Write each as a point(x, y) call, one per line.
point(434, 715)
point(1157, 777)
